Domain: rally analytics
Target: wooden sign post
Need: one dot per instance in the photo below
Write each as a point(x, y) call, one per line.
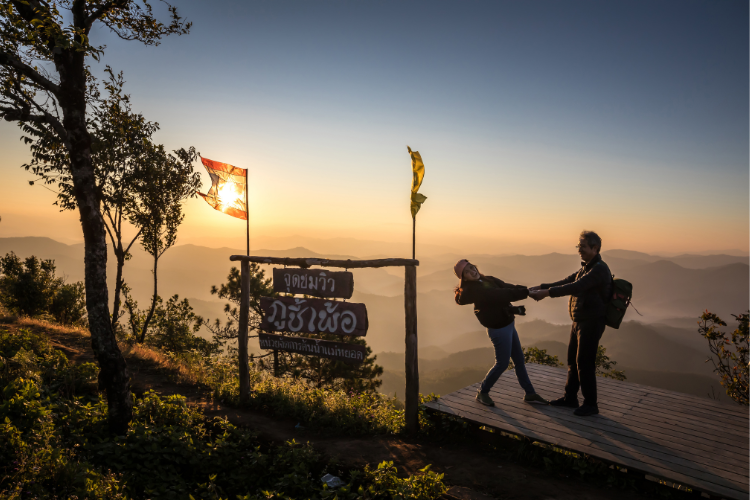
point(410, 309)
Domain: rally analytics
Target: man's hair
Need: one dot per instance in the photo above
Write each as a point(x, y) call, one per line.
point(592, 239)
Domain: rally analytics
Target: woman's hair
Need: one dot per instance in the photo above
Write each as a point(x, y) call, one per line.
point(457, 294)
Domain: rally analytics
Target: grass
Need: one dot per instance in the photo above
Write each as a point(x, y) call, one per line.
point(54, 443)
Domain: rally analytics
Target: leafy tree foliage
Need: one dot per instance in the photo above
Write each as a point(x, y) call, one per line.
point(605, 367)
point(47, 88)
point(320, 372)
point(173, 328)
point(120, 139)
point(260, 286)
point(728, 355)
point(31, 288)
point(164, 181)
point(537, 356)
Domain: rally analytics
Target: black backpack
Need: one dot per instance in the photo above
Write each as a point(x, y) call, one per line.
point(622, 292)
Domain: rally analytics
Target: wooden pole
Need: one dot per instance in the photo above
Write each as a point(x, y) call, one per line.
point(275, 363)
point(414, 238)
point(242, 331)
point(411, 357)
point(305, 263)
point(247, 211)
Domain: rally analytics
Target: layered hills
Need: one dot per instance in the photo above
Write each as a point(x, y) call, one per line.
point(669, 292)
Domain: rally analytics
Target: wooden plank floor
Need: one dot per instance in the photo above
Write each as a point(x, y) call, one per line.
point(678, 437)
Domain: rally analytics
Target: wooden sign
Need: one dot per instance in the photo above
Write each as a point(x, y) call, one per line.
point(315, 282)
point(341, 351)
point(290, 314)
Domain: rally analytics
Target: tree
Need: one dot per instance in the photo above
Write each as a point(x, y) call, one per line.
point(120, 138)
point(606, 367)
point(31, 288)
point(175, 326)
point(729, 356)
point(320, 372)
point(260, 286)
point(163, 182)
point(46, 86)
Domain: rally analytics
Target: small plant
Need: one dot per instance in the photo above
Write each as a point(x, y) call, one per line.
point(605, 367)
point(728, 355)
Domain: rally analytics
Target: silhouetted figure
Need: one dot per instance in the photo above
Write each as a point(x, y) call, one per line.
point(590, 289)
point(492, 306)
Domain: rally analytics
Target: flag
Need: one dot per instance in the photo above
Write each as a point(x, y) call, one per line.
point(227, 193)
point(417, 168)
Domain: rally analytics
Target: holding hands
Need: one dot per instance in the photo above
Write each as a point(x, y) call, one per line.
point(536, 293)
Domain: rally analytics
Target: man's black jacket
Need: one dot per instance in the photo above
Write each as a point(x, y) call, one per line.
point(590, 288)
point(491, 298)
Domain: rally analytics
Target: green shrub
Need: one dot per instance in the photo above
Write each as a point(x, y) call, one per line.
point(30, 288)
point(55, 443)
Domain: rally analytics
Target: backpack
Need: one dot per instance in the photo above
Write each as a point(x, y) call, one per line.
point(622, 292)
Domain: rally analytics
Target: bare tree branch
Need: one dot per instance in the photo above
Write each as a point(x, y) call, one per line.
point(11, 61)
point(102, 10)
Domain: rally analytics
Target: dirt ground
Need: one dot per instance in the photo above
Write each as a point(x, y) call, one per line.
point(472, 472)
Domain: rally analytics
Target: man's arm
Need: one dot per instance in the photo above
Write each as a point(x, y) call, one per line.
point(564, 281)
point(596, 277)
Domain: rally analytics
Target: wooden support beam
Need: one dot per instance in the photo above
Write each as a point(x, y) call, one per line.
point(411, 357)
point(242, 331)
point(307, 262)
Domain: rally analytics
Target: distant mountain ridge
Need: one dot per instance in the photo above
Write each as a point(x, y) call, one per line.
point(663, 289)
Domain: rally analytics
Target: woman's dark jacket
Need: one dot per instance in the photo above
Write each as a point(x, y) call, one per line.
point(589, 288)
point(491, 298)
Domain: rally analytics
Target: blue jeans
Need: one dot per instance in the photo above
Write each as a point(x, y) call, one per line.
point(507, 347)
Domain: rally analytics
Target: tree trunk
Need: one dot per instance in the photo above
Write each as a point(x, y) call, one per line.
point(113, 372)
point(120, 255)
point(153, 303)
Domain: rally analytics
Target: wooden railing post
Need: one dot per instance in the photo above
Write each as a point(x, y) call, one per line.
point(411, 357)
point(242, 331)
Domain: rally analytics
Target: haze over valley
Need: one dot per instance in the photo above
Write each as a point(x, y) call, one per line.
point(661, 348)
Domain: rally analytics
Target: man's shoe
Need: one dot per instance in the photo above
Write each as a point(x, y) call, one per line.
point(485, 399)
point(586, 410)
point(535, 398)
point(565, 401)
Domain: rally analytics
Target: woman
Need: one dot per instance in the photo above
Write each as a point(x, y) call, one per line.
point(491, 298)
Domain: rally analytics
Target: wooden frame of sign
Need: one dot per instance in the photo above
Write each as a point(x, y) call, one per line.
point(410, 310)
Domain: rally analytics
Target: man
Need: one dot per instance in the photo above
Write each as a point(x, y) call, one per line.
point(590, 288)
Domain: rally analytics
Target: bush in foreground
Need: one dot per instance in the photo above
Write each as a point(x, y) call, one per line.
point(54, 443)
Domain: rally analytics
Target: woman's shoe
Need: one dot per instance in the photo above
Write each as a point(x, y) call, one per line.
point(485, 399)
point(535, 398)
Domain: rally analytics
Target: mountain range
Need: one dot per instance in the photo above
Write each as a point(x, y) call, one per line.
point(670, 293)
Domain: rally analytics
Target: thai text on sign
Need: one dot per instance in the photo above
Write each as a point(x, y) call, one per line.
point(290, 314)
point(350, 353)
point(315, 282)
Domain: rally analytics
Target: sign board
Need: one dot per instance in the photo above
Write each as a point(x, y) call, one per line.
point(290, 314)
point(340, 351)
point(315, 282)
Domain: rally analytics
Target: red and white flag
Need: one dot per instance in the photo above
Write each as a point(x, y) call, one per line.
point(227, 193)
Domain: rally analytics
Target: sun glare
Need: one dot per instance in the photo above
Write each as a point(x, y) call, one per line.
point(229, 194)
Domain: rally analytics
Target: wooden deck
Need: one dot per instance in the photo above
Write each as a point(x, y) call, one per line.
point(677, 437)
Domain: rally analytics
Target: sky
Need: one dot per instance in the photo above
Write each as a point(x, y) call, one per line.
point(535, 120)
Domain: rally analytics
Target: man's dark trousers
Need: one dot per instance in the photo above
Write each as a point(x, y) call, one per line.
point(584, 342)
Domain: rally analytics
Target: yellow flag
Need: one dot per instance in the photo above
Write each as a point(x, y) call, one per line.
point(417, 168)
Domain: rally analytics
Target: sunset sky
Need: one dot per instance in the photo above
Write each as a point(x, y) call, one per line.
point(534, 119)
